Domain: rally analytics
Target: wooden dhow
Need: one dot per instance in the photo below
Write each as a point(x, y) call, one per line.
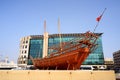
point(70, 55)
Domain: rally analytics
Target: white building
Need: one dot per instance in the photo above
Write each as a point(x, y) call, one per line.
point(24, 48)
point(6, 64)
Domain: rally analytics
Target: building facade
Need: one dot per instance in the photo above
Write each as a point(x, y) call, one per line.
point(109, 63)
point(33, 46)
point(24, 50)
point(116, 58)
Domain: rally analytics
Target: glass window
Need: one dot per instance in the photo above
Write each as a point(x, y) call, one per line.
point(25, 46)
point(26, 41)
point(36, 46)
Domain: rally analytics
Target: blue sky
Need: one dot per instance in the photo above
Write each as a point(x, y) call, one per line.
point(19, 18)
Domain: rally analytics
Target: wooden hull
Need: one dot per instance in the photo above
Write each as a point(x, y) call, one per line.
point(68, 56)
point(67, 61)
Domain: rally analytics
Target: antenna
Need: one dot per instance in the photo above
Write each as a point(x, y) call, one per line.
point(98, 20)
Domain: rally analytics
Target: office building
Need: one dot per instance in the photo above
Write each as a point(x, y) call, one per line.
point(116, 58)
point(109, 63)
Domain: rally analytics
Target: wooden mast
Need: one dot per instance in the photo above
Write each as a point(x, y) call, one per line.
point(45, 42)
point(59, 33)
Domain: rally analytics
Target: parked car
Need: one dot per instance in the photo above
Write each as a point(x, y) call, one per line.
point(86, 68)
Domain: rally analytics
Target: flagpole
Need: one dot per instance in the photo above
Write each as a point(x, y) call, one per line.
point(98, 20)
point(96, 27)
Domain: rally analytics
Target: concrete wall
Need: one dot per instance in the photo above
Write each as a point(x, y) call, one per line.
point(56, 75)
